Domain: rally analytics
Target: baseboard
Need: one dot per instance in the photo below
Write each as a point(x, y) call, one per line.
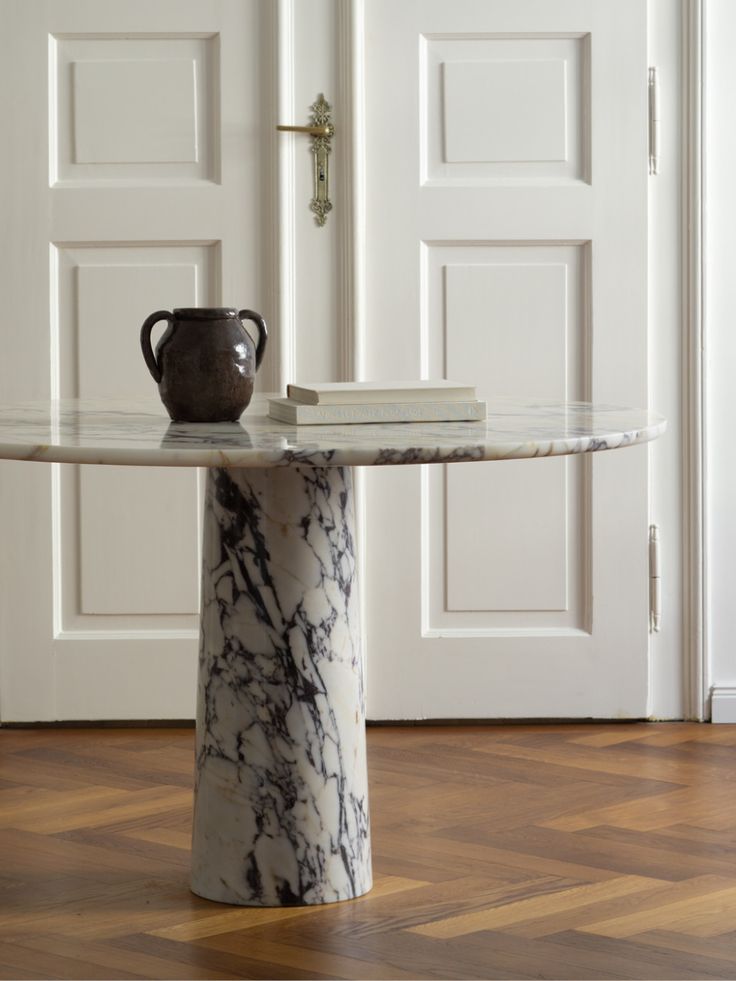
point(103, 724)
point(535, 721)
point(723, 704)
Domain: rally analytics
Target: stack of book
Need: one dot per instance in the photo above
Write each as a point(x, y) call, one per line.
point(332, 403)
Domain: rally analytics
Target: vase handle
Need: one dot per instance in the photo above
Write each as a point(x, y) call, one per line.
point(262, 333)
point(146, 329)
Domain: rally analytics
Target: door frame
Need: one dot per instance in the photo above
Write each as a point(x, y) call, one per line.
point(694, 383)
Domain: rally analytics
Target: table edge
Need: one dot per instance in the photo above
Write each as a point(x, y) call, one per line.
point(343, 457)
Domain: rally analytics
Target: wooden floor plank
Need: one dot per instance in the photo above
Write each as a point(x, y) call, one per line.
point(284, 956)
point(38, 963)
point(704, 908)
point(226, 963)
point(548, 904)
point(213, 921)
point(104, 960)
point(517, 851)
point(630, 958)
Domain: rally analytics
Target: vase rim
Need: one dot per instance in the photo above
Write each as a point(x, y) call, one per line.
point(205, 313)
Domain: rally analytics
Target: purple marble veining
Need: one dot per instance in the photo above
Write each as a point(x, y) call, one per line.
point(281, 809)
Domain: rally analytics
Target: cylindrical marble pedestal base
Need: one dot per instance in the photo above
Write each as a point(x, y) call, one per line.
point(281, 806)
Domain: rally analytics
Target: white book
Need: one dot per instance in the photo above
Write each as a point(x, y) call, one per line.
point(370, 393)
point(296, 413)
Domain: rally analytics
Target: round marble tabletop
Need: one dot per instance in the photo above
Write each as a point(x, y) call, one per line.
point(139, 433)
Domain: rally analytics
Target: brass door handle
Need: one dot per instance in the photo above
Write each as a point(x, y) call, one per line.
point(328, 130)
point(321, 130)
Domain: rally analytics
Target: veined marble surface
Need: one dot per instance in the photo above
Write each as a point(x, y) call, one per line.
point(281, 797)
point(140, 433)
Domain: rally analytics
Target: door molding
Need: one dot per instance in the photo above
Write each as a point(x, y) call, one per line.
point(351, 201)
point(284, 246)
point(694, 526)
point(351, 209)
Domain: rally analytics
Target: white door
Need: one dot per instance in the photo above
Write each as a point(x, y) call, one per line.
point(135, 178)
point(506, 202)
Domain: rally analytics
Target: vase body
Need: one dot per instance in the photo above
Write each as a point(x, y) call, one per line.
point(205, 363)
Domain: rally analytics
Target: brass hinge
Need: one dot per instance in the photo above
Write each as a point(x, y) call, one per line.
point(655, 609)
point(653, 122)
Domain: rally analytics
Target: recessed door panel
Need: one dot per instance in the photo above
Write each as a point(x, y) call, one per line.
point(134, 109)
point(507, 543)
point(498, 108)
point(129, 546)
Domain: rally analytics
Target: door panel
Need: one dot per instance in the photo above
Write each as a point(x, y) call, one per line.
point(499, 108)
point(100, 291)
point(512, 318)
point(507, 247)
point(134, 108)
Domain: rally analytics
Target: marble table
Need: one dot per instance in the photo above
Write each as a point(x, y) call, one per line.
point(281, 807)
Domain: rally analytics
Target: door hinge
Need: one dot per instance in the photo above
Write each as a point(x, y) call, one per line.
point(653, 122)
point(655, 609)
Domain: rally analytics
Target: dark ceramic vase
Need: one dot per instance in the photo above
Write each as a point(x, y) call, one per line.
point(205, 363)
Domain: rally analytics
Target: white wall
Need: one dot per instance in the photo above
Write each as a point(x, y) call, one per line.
point(720, 354)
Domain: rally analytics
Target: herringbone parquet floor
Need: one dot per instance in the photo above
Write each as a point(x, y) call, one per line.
point(566, 851)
